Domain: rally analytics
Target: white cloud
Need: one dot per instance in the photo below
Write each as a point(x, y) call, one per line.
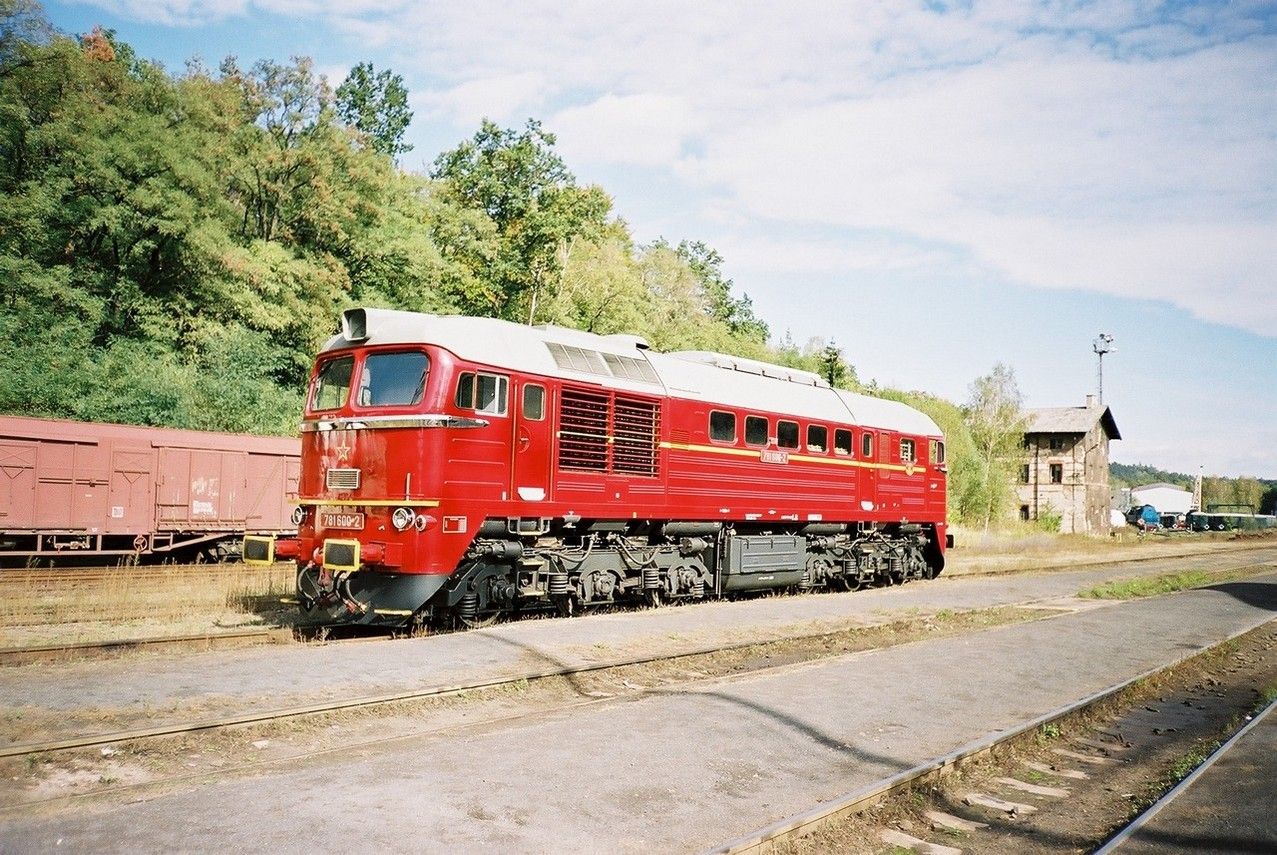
point(503, 99)
point(634, 130)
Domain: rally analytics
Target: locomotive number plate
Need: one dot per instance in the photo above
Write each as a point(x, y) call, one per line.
point(341, 519)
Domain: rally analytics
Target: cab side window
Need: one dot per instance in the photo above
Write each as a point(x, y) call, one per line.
point(487, 394)
point(867, 445)
point(755, 430)
point(908, 451)
point(842, 443)
point(534, 403)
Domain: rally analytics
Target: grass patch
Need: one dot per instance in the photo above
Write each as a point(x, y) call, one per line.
point(123, 602)
point(1129, 589)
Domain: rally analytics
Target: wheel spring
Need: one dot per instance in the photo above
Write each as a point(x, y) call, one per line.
point(698, 589)
point(558, 584)
point(896, 566)
point(805, 583)
point(651, 578)
point(469, 605)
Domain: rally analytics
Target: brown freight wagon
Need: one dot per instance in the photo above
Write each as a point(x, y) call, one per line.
point(92, 489)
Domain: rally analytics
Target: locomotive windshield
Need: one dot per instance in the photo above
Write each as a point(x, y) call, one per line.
point(332, 386)
point(393, 379)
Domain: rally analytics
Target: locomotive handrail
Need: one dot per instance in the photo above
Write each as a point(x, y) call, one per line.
point(384, 422)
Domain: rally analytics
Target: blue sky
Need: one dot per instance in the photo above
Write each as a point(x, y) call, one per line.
point(935, 186)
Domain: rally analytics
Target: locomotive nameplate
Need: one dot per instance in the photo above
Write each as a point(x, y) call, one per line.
point(332, 518)
point(772, 456)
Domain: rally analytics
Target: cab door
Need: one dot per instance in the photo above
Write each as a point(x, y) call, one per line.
point(530, 470)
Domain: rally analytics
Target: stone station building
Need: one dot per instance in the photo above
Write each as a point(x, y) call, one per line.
point(1066, 466)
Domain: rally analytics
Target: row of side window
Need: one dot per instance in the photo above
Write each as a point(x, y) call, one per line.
point(488, 394)
point(722, 428)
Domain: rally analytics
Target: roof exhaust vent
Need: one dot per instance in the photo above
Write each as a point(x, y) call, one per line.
point(354, 325)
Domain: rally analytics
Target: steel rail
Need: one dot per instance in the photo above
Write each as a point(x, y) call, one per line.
point(1179, 789)
point(797, 825)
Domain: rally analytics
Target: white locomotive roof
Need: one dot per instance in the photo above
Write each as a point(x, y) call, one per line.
point(625, 362)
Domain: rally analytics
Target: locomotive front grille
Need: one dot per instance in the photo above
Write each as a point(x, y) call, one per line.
point(342, 479)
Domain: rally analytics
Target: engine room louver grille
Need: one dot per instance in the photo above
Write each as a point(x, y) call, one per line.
point(637, 433)
point(602, 364)
point(629, 368)
point(577, 358)
point(609, 433)
point(583, 431)
point(342, 479)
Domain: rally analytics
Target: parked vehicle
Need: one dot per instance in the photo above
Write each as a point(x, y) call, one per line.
point(1144, 517)
point(458, 468)
point(96, 490)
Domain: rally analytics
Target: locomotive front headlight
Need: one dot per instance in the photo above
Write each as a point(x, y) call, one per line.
point(402, 518)
point(299, 514)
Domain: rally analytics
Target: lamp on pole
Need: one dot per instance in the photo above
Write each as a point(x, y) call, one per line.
point(1102, 345)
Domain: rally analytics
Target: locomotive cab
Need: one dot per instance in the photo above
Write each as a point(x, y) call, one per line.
point(374, 439)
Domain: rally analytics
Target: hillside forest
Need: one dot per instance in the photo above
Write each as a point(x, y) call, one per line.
point(174, 247)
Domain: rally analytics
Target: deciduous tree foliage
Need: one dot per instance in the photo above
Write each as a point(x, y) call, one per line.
point(376, 105)
point(174, 248)
point(994, 421)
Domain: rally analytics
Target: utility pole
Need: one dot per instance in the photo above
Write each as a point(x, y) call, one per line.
point(1197, 491)
point(1101, 346)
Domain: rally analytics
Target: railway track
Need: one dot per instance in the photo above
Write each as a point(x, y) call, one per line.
point(417, 694)
point(789, 830)
point(58, 652)
point(29, 576)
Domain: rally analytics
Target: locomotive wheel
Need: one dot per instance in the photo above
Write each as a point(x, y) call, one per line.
point(478, 621)
point(850, 584)
point(566, 606)
point(653, 597)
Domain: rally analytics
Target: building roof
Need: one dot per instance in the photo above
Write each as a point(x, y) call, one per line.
point(1160, 485)
point(1070, 420)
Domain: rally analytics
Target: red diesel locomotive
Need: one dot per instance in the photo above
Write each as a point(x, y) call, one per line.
point(459, 467)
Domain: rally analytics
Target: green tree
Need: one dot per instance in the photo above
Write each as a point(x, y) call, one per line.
point(376, 104)
point(832, 364)
point(539, 213)
point(716, 289)
point(993, 417)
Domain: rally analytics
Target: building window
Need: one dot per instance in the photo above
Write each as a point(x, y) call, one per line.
point(908, 451)
point(1058, 443)
point(755, 430)
point(1024, 474)
point(1024, 513)
point(786, 434)
point(1057, 473)
point(722, 426)
point(842, 442)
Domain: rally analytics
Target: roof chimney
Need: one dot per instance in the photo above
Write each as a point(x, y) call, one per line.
point(1090, 401)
